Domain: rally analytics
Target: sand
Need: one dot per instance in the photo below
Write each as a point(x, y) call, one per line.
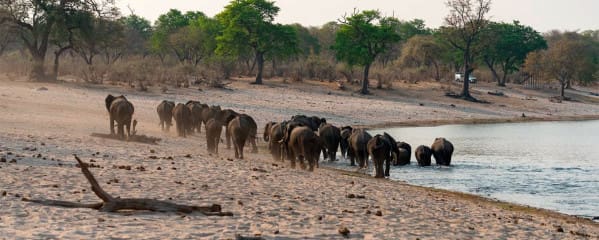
point(41, 129)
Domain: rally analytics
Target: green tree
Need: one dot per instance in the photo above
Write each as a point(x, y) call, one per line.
point(464, 24)
point(168, 24)
point(35, 20)
point(248, 27)
point(362, 37)
point(505, 46)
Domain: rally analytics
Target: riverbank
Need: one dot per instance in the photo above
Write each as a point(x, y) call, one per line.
point(266, 197)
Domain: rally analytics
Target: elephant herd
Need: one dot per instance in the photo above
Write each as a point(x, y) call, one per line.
point(297, 139)
point(189, 117)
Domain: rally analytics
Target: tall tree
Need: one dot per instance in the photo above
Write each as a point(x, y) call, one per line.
point(505, 46)
point(138, 31)
point(168, 24)
point(362, 37)
point(36, 19)
point(249, 24)
point(465, 22)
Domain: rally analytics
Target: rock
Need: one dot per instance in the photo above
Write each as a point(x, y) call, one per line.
point(13, 161)
point(2, 159)
point(159, 168)
point(559, 229)
point(152, 151)
point(379, 213)
point(4, 193)
point(343, 231)
point(351, 195)
point(39, 89)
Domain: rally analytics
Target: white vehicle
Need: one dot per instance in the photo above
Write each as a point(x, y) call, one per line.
point(459, 77)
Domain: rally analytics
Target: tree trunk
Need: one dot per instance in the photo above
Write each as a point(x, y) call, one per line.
point(365, 80)
point(467, 70)
point(562, 91)
point(37, 72)
point(494, 72)
point(260, 62)
point(437, 73)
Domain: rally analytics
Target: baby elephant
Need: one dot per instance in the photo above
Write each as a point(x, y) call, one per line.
point(442, 151)
point(213, 131)
point(241, 129)
point(423, 155)
point(405, 154)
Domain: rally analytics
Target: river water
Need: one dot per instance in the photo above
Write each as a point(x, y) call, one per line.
point(551, 165)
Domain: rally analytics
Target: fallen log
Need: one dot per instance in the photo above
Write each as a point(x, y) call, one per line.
point(112, 204)
point(132, 138)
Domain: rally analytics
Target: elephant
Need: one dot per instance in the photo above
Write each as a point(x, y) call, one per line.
point(442, 151)
point(405, 154)
point(225, 116)
point(287, 127)
point(343, 143)
point(423, 155)
point(165, 113)
point(304, 144)
point(213, 132)
point(383, 149)
point(209, 112)
point(241, 129)
point(120, 111)
point(275, 135)
point(312, 122)
point(182, 116)
point(266, 134)
point(330, 136)
point(195, 108)
point(358, 147)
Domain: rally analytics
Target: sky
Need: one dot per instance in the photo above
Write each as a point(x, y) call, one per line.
point(542, 15)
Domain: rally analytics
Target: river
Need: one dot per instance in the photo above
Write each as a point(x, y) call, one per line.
point(551, 165)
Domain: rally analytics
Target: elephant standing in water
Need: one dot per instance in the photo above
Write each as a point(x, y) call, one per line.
point(241, 129)
point(330, 136)
point(120, 111)
point(182, 116)
point(423, 155)
point(442, 151)
point(344, 142)
point(213, 131)
point(383, 149)
point(165, 113)
point(405, 154)
point(358, 147)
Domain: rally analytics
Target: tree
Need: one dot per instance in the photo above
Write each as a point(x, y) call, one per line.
point(7, 36)
point(248, 27)
point(465, 22)
point(566, 59)
point(362, 37)
point(506, 45)
point(36, 19)
point(423, 50)
point(168, 24)
point(138, 31)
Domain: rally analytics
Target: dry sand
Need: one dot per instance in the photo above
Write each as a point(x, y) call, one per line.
point(41, 129)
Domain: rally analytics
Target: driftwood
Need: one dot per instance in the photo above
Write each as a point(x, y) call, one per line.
point(132, 138)
point(112, 204)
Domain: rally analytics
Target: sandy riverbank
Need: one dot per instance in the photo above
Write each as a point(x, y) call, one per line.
point(266, 197)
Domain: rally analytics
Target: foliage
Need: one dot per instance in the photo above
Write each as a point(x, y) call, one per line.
point(506, 45)
point(422, 50)
point(362, 37)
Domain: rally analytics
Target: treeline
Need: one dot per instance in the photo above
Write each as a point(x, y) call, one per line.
point(98, 44)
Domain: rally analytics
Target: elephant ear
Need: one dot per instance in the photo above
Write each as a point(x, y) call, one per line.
point(108, 101)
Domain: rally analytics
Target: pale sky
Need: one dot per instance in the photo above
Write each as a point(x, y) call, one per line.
point(542, 15)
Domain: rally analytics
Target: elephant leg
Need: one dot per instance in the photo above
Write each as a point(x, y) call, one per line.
point(121, 130)
point(111, 125)
point(241, 145)
point(228, 137)
point(332, 155)
point(388, 166)
point(128, 126)
point(254, 147)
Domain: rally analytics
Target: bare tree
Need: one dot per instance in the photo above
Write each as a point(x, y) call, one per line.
point(465, 22)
